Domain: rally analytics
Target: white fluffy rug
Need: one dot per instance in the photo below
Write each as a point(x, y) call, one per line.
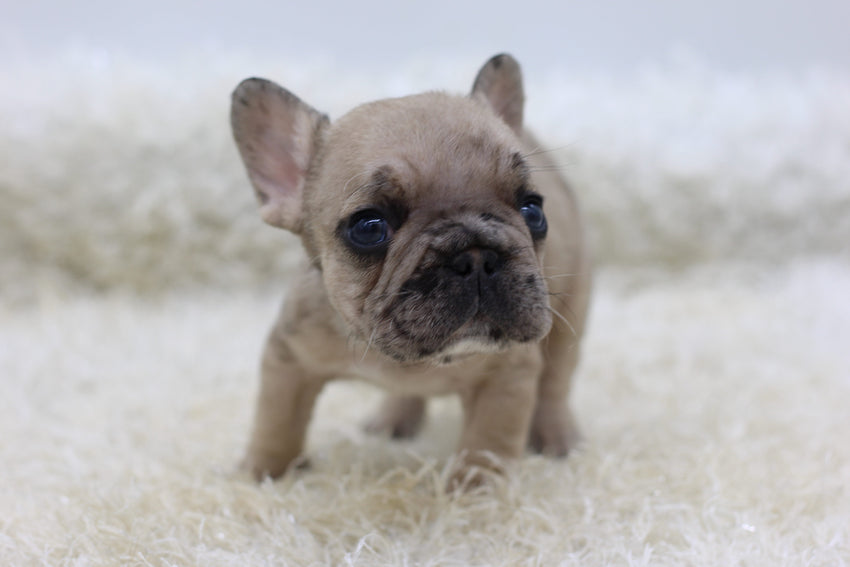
point(137, 285)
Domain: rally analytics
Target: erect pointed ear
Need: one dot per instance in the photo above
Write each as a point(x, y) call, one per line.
point(277, 136)
point(499, 84)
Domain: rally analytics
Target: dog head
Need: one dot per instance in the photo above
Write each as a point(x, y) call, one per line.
point(419, 211)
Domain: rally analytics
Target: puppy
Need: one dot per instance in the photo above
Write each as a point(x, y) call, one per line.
point(444, 254)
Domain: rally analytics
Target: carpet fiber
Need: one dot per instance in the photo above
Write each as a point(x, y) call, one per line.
point(138, 285)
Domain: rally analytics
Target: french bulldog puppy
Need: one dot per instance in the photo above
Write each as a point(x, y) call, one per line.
point(444, 254)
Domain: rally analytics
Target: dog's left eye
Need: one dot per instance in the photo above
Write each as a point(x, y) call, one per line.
point(368, 230)
point(532, 211)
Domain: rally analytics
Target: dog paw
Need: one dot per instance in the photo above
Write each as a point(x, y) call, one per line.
point(471, 472)
point(261, 466)
point(400, 417)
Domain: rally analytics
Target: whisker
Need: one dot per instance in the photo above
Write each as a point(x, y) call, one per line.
point(548, 165)
point(368, 345)
point(551, 167)
point(564, 274)
point(564, 319)
point(397, 294)
point(564, 303)
point(538, 150)
point(562, 300)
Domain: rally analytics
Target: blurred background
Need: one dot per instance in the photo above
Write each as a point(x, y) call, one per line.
point(693, 132)
point(612, 36)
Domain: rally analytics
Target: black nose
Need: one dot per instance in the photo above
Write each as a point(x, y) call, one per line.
point(476, 262)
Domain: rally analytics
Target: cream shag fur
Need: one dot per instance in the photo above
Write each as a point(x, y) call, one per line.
point(715, 382)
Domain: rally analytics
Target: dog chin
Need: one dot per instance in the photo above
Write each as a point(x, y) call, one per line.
point(475, 337)
point(453, 353)
point(468, 347)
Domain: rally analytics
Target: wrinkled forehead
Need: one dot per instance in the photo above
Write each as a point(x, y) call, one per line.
point(449, 153)
point(450, 183)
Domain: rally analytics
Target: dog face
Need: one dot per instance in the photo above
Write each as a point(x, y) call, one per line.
point(419, 212)
point(428, 230)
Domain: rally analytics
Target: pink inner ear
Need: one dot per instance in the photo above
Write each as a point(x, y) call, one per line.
point(278, 175)
point(276, 133)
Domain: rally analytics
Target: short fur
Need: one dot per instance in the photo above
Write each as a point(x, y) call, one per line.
point(460, 295)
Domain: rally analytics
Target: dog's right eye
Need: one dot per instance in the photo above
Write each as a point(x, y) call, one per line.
point(532, 211)
point(368, 231)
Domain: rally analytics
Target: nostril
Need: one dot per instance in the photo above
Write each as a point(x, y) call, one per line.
point(463, 264)
point(475, 260)
point(490, 262)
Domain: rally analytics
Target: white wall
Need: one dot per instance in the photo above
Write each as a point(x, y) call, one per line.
point(611, 36)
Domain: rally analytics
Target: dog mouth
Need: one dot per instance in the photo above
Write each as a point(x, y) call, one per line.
point(452, 321)
point(475, 337)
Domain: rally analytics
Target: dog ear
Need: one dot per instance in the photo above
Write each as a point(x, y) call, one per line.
point(499, 84)
point(277, 135)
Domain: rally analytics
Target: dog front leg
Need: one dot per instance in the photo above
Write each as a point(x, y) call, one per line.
point(284, 407)
point(497, 414)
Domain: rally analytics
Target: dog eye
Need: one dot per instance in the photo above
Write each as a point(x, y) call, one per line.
point(368, 230)
point(532, 211)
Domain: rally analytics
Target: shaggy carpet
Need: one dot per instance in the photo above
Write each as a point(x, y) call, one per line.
point(137, 285)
